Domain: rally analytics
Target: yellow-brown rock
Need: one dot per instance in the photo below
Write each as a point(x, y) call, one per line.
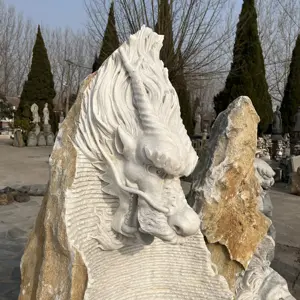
point(295, 182)
point(48, 262)
point(225, 190)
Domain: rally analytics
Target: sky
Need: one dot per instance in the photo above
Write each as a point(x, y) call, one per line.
point(53, 13)
point(57, 13)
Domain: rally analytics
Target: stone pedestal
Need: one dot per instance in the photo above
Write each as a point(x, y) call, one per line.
point(47, 129)
point(50, 139)
point(37, 129)
point(32, 139)
point(41, 140)
point(18, 139)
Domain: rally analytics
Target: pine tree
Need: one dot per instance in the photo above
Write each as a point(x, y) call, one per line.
point(39, 87)
point(96, 64)
point(291, 98)
point(179, 83)
point(110, 40)
point(247, 74)
point(174, 62)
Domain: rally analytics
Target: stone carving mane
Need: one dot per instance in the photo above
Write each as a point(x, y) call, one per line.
point(130, 129)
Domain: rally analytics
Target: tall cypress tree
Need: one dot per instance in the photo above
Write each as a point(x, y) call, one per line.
point(291, 98)
point(174, 62)
point(110, 40)
point(247, 74)
point(39, 87)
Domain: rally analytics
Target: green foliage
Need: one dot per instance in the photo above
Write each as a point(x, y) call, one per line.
point(6, 110)
point(247, 74)
point(25, 125)
point(110, 40)
point(174, 62)
point(291, 98)
point(39, 87)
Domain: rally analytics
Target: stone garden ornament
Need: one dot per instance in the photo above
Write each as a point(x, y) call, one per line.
point(139, 146)
point(46, 114)
point(35, 113)
point(277, 122)
point(197, 118)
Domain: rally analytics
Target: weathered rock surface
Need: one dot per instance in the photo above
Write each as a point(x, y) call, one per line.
point(18, 139)
point(6, 198)
point(8, 195)
point(225, 190)
point(62, 270)
point(295, 182)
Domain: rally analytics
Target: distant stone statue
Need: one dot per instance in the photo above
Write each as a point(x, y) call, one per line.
point(277, 122)
point(297, 120)
point(197, 118)
point(35, 113)
point(61, 117)
point(46, 114)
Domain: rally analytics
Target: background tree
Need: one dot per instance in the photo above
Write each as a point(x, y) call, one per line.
point(6, 109)
point(39, 87)
point(291, 99)
point(168, 56)
point(200, 30)
point(247, 74)
point(110, 40)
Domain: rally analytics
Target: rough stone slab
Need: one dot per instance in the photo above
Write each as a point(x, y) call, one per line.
point(225, 189)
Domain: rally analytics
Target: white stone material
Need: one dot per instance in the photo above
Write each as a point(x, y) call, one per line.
point(35, 113)
point(46, 114)
point(132, 148)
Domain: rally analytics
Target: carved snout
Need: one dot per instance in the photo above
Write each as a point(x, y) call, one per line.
point(185, 222)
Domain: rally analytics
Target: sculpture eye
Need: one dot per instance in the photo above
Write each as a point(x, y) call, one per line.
point(161, 173)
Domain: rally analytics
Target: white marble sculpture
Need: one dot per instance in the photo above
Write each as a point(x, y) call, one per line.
point(197, 118)
point(46, 114)
point(141, 148)
point(133, 148)
point(35, 113)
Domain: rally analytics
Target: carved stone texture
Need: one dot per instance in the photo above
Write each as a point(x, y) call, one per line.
point(225, 189)
point(114, 223)
point(260, 281)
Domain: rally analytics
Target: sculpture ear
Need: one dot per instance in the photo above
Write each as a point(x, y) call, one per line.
point(124, 142)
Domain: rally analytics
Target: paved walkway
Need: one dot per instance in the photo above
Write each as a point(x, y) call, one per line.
point(25, 166)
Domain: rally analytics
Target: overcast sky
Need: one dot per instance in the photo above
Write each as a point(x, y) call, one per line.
point(54, 13)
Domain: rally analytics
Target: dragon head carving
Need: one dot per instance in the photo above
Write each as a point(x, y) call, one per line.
point(131, 130)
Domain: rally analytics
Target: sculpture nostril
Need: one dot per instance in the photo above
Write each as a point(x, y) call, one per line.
point(185, 222)
point(177, 229)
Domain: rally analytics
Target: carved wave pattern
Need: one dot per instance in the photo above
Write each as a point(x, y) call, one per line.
point(158, 271)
